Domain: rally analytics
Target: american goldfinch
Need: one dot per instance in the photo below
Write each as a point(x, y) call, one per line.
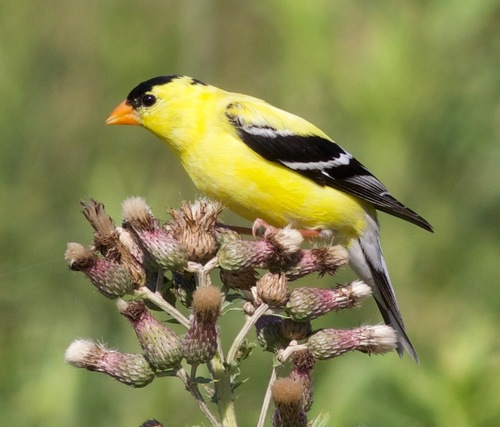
point(266, 163)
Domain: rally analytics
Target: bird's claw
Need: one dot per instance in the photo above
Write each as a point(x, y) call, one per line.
point(260, 228)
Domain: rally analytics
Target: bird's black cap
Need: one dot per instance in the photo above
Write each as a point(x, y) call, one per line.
point(135, 94)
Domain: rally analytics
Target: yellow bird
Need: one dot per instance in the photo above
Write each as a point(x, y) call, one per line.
point(266, 163)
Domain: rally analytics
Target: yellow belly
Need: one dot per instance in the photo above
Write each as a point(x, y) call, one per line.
point(254, 188)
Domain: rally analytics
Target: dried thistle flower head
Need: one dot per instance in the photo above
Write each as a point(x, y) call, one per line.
point(160, 345)
point(200, 341)
point(130, 369)
point(97, 217)
point(288, 398)
point(206, 303)
point(194, 226)
point(107, 241)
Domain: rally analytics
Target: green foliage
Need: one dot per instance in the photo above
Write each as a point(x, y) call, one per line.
point(411, 88)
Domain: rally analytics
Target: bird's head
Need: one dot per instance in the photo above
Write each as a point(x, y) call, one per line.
point(154, 103)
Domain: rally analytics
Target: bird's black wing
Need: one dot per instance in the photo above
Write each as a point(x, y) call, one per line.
point(320, 160)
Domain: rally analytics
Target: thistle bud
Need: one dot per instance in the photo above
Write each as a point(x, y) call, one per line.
point(160, 345)
point(164, 249)
point(130, 369)
point(244, 254)
point(289, 401)
point(111, 279)
point(324, 260)
point(200, 343)
point(310, 303)
point(273, 289)
point(275, 249)
point(302, 366)
point(193, 225)
point(269, 333)
point(329, 343)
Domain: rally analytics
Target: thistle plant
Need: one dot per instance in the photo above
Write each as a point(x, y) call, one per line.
point(149, 266)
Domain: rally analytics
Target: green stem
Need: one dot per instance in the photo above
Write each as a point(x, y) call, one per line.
point(223, 389)
point(221, 371)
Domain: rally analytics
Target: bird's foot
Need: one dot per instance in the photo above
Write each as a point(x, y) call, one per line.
point(260, 228)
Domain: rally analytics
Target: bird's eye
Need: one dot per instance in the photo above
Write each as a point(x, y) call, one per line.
point(148, 100)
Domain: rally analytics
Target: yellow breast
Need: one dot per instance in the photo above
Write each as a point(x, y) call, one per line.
point(224, 168)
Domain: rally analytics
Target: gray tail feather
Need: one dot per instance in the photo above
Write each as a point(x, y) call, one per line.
point(397, 324)
point(367, 261)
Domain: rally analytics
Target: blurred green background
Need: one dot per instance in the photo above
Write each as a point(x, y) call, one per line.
point(412, 88)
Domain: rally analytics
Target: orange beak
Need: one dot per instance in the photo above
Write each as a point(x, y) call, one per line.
point(123, 114)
